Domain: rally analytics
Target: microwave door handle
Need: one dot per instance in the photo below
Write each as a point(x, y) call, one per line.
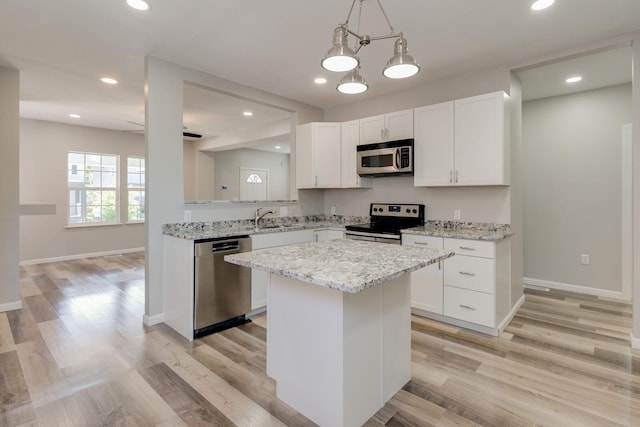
point(397, 158)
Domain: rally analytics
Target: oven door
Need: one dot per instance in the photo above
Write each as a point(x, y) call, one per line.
point(372, 237)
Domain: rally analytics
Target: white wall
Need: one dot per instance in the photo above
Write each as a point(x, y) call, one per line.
point(227, 172)
point(516, 190)
point(478, 204)
point(9, 189)
point(43, 179)
point(636, 192)
point(572, 151)
point(190, 170)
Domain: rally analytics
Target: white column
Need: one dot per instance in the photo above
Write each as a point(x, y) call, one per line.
point(164, 173)
point(9, 189)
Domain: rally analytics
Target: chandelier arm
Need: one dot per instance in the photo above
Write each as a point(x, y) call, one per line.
point(385, 16)
point(350, 11)
point(356, 35)
point(389, 36)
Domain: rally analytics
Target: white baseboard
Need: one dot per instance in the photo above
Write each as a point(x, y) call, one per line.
point(511, 314)
point(153, 320)
point(79, 256)
point(635, 342)
point(575, 288)
point(16, 305)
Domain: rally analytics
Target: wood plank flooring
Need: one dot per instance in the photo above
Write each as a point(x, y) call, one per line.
point(78, 354)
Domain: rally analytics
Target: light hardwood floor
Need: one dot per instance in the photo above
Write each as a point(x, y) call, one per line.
point(77, 354)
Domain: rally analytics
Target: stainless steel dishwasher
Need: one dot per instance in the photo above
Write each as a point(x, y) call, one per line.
point(222, 290)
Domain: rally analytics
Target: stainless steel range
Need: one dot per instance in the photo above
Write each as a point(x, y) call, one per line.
point(386, 222)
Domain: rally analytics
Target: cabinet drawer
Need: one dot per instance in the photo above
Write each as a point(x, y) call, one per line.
point(422, 241)
point(271, 240)
point(470, 306)
point(471, 247)
point(476, 274)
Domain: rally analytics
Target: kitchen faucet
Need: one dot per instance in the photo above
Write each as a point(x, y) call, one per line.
point(259, 216)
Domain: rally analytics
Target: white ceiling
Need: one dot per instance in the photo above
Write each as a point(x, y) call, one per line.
point(62, 47)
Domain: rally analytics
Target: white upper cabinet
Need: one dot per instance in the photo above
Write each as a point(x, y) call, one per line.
point(350, 139)
point(387, 127)
point(433, 153)
point(318, 155)
point(480, 140)
point(463, 142)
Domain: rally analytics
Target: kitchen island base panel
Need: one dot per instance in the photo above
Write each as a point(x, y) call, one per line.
point(337, 357)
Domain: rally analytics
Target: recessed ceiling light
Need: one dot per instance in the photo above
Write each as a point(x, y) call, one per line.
point(573, 79)
point(320, 81)
point(277, 147)
point(248, 113)
point(138, 4)
point(74, 116)
point(109, 80)
point(542, 4)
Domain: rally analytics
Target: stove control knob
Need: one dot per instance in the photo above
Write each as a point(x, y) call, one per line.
point(408, 210)
point(415, 211)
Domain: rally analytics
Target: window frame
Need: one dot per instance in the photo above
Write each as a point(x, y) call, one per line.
point(101, 189)
point(142, 189)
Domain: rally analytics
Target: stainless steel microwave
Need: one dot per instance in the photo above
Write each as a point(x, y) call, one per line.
point(386, 158)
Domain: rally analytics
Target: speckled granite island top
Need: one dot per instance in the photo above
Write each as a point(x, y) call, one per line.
point(343, 264)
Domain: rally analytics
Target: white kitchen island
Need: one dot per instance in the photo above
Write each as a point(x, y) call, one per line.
point(339, 324)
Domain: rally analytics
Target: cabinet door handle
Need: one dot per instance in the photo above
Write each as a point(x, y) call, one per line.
point(316, 184)
point(465, 273)
point(382, 134)
point(456, 176)
point(467, 248)
point(466, 307)
point(451, 177)
point(422, 243)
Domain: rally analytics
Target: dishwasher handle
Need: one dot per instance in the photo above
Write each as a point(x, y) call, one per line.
point(225, 247)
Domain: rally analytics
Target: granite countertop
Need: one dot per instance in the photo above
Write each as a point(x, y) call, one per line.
point(215, 229)
point(462, 230)
point(343, 264)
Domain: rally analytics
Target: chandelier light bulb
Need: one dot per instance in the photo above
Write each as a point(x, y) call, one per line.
point(401, 65)
point(340, 57)
point(352, 83)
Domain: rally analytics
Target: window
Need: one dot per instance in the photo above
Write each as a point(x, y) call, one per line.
point(135, 189)
point(253, 178)
point(92, 180)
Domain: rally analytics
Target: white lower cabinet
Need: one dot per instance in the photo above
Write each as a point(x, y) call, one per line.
point(259, 279)
point(473, 288)
point(328, 234)
point(470, 306)
point(426, 283)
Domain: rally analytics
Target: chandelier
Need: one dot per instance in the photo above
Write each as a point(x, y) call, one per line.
point(341, 58)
